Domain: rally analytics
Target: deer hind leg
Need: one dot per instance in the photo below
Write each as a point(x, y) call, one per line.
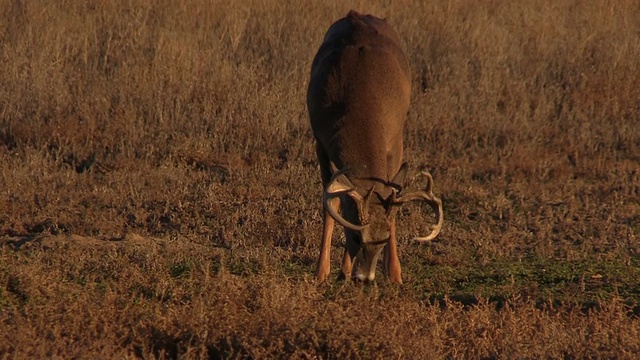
point(391, 261)
point(347, 265)
point(351, 249)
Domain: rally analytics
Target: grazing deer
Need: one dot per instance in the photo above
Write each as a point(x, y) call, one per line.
point(358, 98)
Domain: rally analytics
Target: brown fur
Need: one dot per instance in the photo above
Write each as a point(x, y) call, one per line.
point(358, 98)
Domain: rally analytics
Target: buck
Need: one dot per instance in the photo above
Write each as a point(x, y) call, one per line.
point(358, 98)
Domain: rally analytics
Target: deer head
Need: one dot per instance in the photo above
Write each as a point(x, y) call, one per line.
point(369, 218)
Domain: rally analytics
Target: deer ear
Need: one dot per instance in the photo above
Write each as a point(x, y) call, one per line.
point(398, 180)
point(339, 183)
point(334, 168)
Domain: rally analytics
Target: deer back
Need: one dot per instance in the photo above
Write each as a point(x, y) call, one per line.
point(358, 96)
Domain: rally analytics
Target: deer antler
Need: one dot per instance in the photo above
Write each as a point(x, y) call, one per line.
point(340, 185)
point(432, 200)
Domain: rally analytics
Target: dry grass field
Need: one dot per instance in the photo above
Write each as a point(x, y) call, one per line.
point(160, 195)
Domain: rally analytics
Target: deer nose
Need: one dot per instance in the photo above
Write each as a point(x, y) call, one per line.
point(365, 278)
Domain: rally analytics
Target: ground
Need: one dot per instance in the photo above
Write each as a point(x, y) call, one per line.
point(160, 194)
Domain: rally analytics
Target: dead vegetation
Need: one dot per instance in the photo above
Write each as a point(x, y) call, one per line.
point(160, 188)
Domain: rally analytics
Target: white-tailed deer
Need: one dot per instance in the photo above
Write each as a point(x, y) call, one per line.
point(358, 99)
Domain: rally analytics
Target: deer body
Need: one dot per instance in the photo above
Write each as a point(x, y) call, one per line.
point(358, 98)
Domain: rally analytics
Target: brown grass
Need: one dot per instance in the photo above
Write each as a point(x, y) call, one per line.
point(161, 196)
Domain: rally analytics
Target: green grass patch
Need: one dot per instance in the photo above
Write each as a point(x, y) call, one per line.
point(537, 278)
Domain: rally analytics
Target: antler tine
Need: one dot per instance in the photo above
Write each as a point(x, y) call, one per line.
point(429, 187)
point(435, 203)
point(339, 185)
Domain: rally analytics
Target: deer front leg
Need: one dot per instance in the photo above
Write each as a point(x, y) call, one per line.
point(391, 261)
point(324, 262)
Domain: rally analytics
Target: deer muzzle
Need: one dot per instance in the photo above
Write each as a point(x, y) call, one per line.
point(366, 261)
